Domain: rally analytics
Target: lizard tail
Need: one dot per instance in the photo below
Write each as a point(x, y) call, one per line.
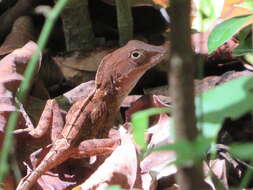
point(55, 156)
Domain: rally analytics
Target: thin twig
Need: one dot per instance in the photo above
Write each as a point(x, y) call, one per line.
point(182, 89)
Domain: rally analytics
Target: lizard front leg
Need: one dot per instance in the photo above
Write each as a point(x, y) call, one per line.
point(60, 151)
point(50, 117)
point(95, 147)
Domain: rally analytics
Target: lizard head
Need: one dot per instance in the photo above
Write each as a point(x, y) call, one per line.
point(125, 66)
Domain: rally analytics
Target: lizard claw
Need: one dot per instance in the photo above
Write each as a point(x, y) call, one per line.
point(19, 131)
point(34, 133)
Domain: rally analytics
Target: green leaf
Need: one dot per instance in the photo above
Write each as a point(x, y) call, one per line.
point(229, 100)
point(225, 30)
point(247, 4)
point(114, 187)
point(188, 152)
point(140, 123)
point(249, 58)
point(244, 33)
point(242, 151)
point(184, 150)
point(243, 48)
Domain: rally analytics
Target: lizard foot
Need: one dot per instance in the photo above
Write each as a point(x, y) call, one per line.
point(19, 131)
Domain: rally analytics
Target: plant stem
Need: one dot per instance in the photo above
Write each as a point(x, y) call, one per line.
point(182, 89)
point(25, 84)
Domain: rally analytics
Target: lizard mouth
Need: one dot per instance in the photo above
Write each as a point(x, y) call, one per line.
point(164, 52)
point(162, 55)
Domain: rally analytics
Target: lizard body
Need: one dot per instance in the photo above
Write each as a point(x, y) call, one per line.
point(92, 117)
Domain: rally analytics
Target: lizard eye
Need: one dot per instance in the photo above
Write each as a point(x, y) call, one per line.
point(136, 55)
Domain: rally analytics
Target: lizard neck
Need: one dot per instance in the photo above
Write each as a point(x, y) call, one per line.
point(109, 96)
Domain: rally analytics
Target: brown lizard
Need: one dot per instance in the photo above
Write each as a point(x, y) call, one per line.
point(92, 117)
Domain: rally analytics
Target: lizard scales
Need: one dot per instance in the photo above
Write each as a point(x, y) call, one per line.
point(93, 116)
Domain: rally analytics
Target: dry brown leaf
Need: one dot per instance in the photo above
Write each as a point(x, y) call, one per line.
point(12, 68)
point(145, 102)
point(159, 164)
point(219, 169)
point(149, 181)
point(161, 132)
point(129, 100)
point(88, 61)
point(22, 7)
point(156, 166)
point(162, 3)
point(63, 177)
point(118, 169)
point(21, 33)
point(79, 67)
point(81, 91)
point(230, 9)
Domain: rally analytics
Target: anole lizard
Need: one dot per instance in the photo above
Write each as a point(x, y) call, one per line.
point(92, 117)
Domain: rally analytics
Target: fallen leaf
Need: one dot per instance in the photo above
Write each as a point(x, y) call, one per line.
point(145, 102)
point(12, 68)
point(230, 9)
point(88, 61)
point(118, 169)
point(162, 132)
point(21, 33)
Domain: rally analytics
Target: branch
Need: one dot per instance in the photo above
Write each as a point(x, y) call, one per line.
point(182, 89)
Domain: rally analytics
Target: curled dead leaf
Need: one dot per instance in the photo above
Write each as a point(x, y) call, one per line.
point(118, 169)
